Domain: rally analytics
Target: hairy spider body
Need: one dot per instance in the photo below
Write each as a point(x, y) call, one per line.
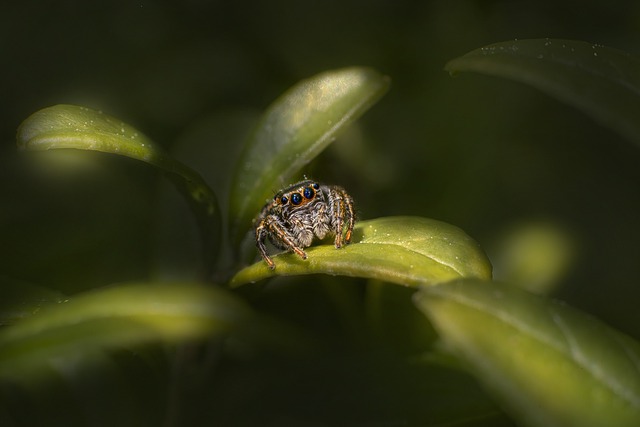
point(302, 212)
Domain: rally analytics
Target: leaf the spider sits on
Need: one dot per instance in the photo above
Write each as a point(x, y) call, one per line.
point(116, 317)
point(602, 82)
point(408, 251)
point(75, 127)
point(548, 364)
point(294, 130)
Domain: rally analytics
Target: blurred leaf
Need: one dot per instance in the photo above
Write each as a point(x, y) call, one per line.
point(70, 126)
point(534, 256)
point(603, 82)
point(408, 251)
point(115, 317)
point(550, 365)
point(19, 300)
point(294, 130)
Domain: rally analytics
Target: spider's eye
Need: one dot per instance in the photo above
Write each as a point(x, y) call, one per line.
point(296, 198)
point(284, 200)
point(316, 185)
point(308, 193)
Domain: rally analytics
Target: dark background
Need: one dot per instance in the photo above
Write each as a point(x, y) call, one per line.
point(475, 151)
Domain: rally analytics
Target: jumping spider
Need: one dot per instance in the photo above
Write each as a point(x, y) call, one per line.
point(301, 212)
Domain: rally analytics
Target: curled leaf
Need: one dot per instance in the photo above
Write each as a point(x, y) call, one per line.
point(548, 364)
point(294, 130)
point(603, 82)
point(71, 126)
point(408, 251)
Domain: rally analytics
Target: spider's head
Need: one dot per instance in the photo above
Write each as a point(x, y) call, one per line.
point(298, 194)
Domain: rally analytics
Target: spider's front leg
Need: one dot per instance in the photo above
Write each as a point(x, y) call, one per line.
point(261, 235)
point(273, 227)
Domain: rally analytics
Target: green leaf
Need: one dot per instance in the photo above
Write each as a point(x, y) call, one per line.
point(115, 317)
point(74, 127)
point(603, 82)
point(549, 364)
point(407, 251)
point(294, 130)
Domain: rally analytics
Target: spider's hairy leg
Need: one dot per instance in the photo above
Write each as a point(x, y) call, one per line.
point(337, 218)
point(337, 210)
point(272, 226)
point(261, 235)
point(342, 209)
point(350, 214)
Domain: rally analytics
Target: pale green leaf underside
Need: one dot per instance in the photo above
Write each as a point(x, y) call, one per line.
point(603, 82)
point(408, 251)
point(115, 317)
point(294, 130)
point(549, 364)
point(75, 127)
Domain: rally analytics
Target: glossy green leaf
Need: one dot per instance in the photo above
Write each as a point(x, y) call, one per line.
point(115, 317)
point(74, 127)
point(407, 251)
point(71, 126)
point(603, 82)
point(549, 364)
point(294, 130)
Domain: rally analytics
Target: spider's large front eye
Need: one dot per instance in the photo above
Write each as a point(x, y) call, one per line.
point(296, 198)
point(308, 193)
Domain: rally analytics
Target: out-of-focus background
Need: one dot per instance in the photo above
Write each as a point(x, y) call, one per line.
point(497, 158)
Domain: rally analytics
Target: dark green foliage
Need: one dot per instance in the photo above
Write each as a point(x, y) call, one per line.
point(126, 302)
